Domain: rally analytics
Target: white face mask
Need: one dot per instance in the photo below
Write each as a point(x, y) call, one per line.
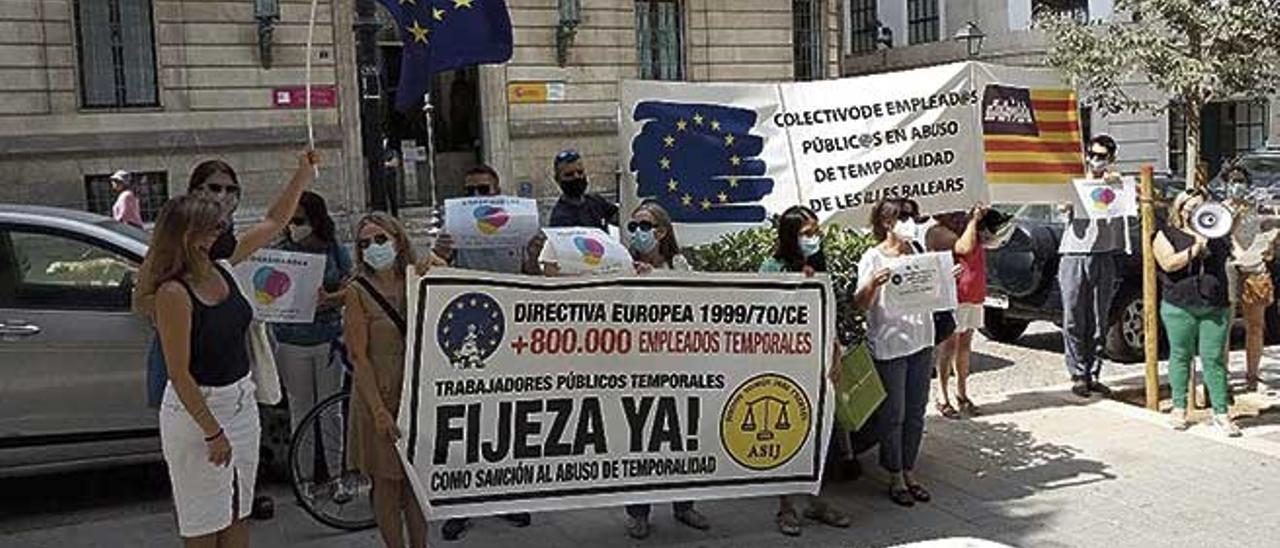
point(380, 256)
point(1098, 165)
point(905, 229)
point(298, 233)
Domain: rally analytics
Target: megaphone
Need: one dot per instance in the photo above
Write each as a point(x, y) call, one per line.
point(1212, 220)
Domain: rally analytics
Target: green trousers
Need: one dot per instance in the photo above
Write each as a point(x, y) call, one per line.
point(1205, 330)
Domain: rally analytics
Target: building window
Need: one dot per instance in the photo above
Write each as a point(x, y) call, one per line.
point(117, 53)
point(1077, 9)
point(922, 21)
point(864, 25)
point(808, 19)
point(151, 187)
point(659, 39)
point(1227, 130)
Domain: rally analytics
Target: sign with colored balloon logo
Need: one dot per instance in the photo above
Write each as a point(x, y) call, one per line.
point(491, 221)
point(585, 251)
point(1107, 198)
point(282, 286)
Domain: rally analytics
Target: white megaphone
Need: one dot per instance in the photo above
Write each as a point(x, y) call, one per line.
point(1212, 220)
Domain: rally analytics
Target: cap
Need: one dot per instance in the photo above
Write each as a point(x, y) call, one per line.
point(121, 175)
point(566, 156)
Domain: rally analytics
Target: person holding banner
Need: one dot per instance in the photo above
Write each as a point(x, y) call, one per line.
point(958, 234)
point(799, 249)
point(374, 327)
point(480, 181)
point(576, 206)
point(305, 352)
point(209, 425)
point(653, 245)
point(902, 346)
point(1193, 290)
point(1249, 274)
point(1087, 276)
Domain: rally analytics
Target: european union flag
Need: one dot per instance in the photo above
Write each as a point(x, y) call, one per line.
point(470, 329)
point(700, 162)
point(442, 35)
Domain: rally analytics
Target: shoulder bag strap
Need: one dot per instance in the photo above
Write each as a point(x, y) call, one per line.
point(395, 316)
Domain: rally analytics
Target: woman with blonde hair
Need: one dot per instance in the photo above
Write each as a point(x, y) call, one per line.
point(374, 328)
point(209, 429)
point(1193, 291)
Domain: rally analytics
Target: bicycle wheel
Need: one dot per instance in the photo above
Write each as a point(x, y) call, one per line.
point(324, 486)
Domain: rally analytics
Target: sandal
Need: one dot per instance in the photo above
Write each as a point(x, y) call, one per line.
point(919, 493)
point(967, 407)
point(788, 524)
point(827, 515)
point(947, 411)
point(902, 497)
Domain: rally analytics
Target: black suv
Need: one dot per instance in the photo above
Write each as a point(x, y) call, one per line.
point(1022, 276)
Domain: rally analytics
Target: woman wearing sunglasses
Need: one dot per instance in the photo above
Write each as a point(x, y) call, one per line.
point(653, 246)
point(374, 326)
point(209, 427)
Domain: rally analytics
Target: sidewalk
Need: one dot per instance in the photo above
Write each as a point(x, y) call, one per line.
point(1037, 469)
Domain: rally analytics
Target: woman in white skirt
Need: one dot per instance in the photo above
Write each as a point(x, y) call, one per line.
point(209, 429)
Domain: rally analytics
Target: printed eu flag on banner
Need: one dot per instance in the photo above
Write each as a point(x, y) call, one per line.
point(442, 35)
point(700, 162)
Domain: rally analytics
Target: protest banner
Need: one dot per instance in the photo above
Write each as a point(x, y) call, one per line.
point(581, 251)
point(921, 282)
point(491, 221)
point(282, 286)
point(1101, 199)
point(541, 394)
point(724, 157)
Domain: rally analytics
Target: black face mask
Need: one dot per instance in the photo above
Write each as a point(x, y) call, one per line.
point(474, 191)
point(224, 247)
point(574, 188)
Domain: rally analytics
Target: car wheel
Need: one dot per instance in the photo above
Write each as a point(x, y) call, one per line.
point(1125, 337)
point(1001, 329)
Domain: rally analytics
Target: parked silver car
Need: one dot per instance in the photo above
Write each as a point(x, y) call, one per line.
point(72, 355)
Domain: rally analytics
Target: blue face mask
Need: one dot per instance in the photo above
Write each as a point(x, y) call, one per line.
point(643, 241)
point(810, 245)
point(380, 256)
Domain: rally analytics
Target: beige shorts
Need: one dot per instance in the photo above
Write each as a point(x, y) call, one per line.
point(969, 317)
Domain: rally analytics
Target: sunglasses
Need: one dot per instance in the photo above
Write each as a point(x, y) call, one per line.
point(639, 225)
point(478, 190)
point(1098, 155)
point(568, 156)
point(215, 188)
point(380, 239)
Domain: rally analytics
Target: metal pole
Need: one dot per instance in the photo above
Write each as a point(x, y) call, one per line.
point(366, 29)
point(1150, 327)
point(428, 110)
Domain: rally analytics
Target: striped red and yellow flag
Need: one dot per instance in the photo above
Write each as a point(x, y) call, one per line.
point(1044, 148)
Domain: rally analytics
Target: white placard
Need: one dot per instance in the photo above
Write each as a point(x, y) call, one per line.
point(1107, 198)
point(491, 221)
point(585, 251)
point(282, 286)
point(922, 282)
point(543, 394)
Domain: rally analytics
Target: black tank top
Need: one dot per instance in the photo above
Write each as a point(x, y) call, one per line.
point(219, 344)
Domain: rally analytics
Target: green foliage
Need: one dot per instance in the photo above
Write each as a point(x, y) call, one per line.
point(745, 251)
point(1194, 51)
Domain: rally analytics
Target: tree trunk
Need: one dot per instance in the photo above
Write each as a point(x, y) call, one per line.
point(1192, 117)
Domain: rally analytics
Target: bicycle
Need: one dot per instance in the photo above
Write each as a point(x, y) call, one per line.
point(324, 487)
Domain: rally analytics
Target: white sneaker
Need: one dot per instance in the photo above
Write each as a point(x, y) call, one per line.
point(1178, 419)
point(1226, 426)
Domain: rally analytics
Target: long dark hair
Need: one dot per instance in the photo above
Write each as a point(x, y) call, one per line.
point(886, 212)
point(317, 213)
point(207, 169)
point(787, 249)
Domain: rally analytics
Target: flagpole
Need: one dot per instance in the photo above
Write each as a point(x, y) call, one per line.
point(311, 127)
point(428, 110)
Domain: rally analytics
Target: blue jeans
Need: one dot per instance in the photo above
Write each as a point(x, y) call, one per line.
point(900, 419)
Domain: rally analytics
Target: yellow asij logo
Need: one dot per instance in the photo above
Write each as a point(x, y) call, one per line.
point(766, 422)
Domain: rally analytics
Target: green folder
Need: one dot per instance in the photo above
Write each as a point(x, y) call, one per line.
point(860, 390)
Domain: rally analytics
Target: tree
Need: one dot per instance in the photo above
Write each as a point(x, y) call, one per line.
point(1194, 51)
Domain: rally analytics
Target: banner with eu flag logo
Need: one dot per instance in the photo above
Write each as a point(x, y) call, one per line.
point(725, 157)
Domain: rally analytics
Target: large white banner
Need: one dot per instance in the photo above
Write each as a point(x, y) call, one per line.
point(538, 394)
point(723, 157)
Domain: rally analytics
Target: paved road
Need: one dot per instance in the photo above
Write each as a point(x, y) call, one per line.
point(1039, 468)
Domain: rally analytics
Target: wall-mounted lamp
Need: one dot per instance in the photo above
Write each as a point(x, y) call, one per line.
point(570, 17)
point(972, 37)
point(266, 12)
